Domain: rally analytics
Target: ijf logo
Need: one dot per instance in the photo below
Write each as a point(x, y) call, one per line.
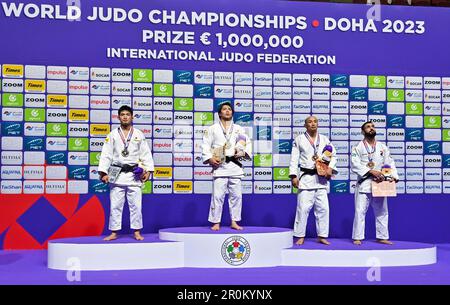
point(235, 250)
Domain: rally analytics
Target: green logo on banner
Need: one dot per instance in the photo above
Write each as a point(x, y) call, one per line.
point(432, 121)
point(147, 187)
point(78, 144)
point(281, 173)
point(414, 108)
point(446, 135)
point(94, 158)
point(57, 129)
point(34, 115)
point(263, 160)
point(12, 100)
point(163, 89)
point(395, 95)
point(184, 104)
point(377, 81)
point(294, 190)
point(142, 75)
point(203, 118)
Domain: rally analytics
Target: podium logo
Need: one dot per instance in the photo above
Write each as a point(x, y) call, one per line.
point(184, 104)
point(12, 71)
point(78, 144)
point(235, 250)
point(377, 81)
point(432, 122)
point(183, 187)
point(414, 108)
point(163, 89)
point(281, 174)
point(56, 129)
point(203, 118)
point(34, 115)
point(163, 172)
point(12, 100)
point(142, 75)
point(395, 95)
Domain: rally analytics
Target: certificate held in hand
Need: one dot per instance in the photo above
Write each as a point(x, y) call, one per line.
point(113, 172)
point(219, 154)
point(384, 189)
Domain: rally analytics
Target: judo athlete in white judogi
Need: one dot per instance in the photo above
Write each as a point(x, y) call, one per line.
point(367, 159)
point(235, 145)
point(312, 188)
point(127, 148)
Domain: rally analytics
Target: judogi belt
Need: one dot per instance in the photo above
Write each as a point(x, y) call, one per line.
point(128, 168)
point(308, 171)
point(234, 160)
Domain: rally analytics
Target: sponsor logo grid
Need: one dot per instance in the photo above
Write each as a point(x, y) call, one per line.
point(52, 128)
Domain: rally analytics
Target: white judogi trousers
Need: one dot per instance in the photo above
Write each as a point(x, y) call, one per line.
point(380, 209)
point(133, 195)
point(220, 187)
point(306, 199)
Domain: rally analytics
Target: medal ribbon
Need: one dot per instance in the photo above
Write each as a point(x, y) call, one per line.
point(372, 151)
point(225, 133)
point(127, 141)
point(315, 146)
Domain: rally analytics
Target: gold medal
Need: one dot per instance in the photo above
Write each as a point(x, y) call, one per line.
point(315, 157)
point(371, 165)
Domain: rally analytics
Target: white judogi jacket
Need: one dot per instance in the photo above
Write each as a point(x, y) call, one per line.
point(302, 152)
point(360, 158)
point(139, 152)
point(213, 138)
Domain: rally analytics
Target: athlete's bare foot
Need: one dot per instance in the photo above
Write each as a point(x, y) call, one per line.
point(324, 241)
point(385, 241)
point(112, 236)
point(138, 236)
point(235, 226)
point(216, 227)
point(357, 242)
point(300, 241)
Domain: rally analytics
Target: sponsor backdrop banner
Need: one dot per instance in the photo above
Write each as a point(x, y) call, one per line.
point(67, 67)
